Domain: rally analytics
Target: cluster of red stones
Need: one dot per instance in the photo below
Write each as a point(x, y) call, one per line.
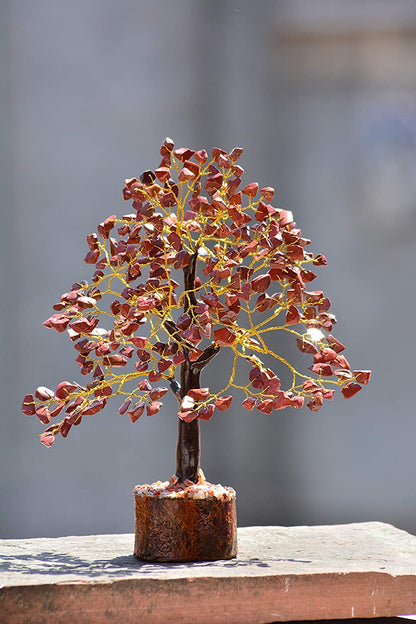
point(193, 210)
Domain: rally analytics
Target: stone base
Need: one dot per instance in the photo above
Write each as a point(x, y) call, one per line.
point(194, 523)
point(280, 574)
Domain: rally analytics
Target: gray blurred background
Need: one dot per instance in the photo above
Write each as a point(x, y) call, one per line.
point(322, 96)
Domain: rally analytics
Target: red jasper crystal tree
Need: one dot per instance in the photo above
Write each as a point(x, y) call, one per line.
point(199, 266)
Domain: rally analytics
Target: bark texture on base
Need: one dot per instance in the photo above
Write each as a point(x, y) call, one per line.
point(185, 529)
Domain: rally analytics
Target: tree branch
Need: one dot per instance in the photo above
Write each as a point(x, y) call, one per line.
point(173, 331)
point(205, 358)
point(175, 386)
point(190, 275)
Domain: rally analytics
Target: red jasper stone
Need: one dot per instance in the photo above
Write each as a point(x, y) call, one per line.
point(335, 344)
point(136, 412)
point(124, 406)
point(64, 389)
point(249, 403)
point(28, 407)
point(201, 156)
point(182, 259)
point(235, 154)
point(167, 147)
point(322, 369)
point(47, 439)
point(43, 414)
point(265, 406)
point(316, 402)
point(206, 412)
point(199, 394)
point(183, 153)
point(292, 316)
point(305, 346)
point(223, 402)
point(350, 389)
point(224, 337)
point(114, 360)
point(267, 192)
point(261, 283)
point(153, 408)
point(188, 416)
point(44, 394)
point(362, 376)
point(251, 189)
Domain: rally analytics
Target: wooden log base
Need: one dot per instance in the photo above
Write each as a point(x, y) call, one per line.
point(185, 521)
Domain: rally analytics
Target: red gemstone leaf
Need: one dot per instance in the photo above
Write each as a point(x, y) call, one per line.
point(281, 401)
point(265, 406)
point(315, 403)
point(201, 156)
point(153, 408)
point(224, 337)
point(95, 407)
point(175, 240)
point(167, 147)
point(350, 389)
point(322, 369)
point(320, 260)
point(124, 406)
point(157, 393)
point(271, 387)
point(138, 341)
point(64, 389)
point(58, 322)
point(114, 360)
point(28, 407)
point(267, 192)
point(183, 153)
point(325, 355)
point(206, 412)
point(251, 189)
point(249, 403)
point(285, 217)
point(235, 154)
point(199, 394)
point(44, 394)
point(92, 257)
point(86, 302)
point(297, 402)
point(58, 409)
point(310, 386)
point(335, 344)
point(179, 358)
point(43, 414)
point(362, 376)
point(188, 416)
point(223, 402)
point(164, 365)
point(127, 352)
point(305, 346)
point(342, 362)
point(162, 173)
point(144, 385)
point(261, 283)
point(195, 355)
point(136, 411)
point(65, 427)
point(47, 439)
point(182, 259)
point(292, 316)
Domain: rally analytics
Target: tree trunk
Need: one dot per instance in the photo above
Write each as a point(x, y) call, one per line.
point(188, 451)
